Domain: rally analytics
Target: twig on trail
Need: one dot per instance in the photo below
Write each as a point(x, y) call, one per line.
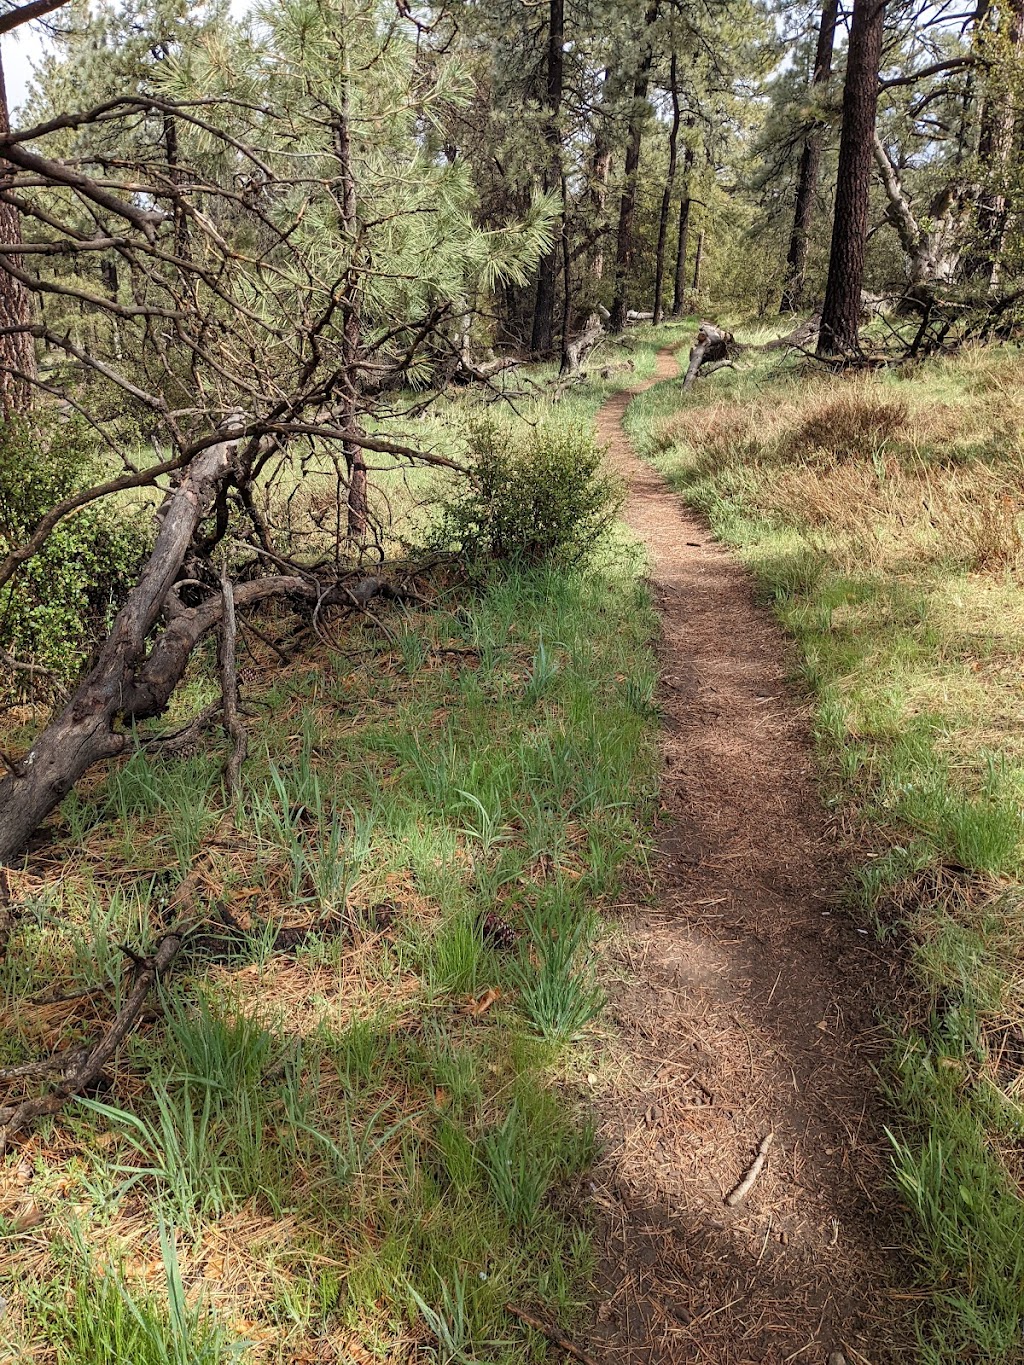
point(741, 1191)
point(229, 690)
point(147, 972)
point(552, 1333)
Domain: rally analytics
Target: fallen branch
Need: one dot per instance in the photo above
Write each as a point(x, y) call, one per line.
point(148, 971)
point(741, 1191)
point(60, 1061)
point(712, 344)
point(172, 742)
point(553, 1335)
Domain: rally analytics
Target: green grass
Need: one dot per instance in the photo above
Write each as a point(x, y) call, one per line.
point(360, 1143)
point(881, 518)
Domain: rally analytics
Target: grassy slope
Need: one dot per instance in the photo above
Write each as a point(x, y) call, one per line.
point(367, 1147)
point(882, 518)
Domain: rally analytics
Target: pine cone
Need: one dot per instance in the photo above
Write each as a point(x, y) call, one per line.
point(497, 933)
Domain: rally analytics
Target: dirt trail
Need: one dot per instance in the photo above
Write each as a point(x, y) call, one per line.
point(744, 1006)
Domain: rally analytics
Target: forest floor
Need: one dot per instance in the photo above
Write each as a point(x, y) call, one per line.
point(746, 1004)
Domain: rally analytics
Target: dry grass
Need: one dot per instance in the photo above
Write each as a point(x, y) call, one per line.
point(889, 475)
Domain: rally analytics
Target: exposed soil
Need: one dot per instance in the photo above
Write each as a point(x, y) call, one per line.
point(745, 1003)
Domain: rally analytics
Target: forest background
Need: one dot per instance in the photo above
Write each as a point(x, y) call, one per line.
point(306, 316)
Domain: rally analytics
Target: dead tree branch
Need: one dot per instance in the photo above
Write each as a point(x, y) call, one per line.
point(147, 971)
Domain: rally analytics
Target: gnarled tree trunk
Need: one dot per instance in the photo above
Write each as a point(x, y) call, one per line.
point(932, 251)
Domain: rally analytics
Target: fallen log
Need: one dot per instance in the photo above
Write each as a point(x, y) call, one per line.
point(85, 731)
point(712, 344)
point(803, 335)
point(126, 684)
point(577, 351)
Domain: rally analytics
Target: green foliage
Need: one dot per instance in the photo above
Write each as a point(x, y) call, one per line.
point(538, 496)
point(54, 612)
point(99, 1319)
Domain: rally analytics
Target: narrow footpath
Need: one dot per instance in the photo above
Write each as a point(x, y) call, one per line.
point(744, 1002)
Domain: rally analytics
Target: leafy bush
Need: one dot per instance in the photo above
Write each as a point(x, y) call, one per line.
point(62, 601)
point(537, 496)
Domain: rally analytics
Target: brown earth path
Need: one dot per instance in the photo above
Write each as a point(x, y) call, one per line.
point(744, 1004)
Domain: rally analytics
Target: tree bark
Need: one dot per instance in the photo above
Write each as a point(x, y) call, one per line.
point(600, 171)
point(542, 339)
point(682, 241)
point(666, 198)
point(809, 171)
point(627, 204)
point(355, 462)
point(840, 318)
point(698, 261)
point(999, 131)
point(17, 349)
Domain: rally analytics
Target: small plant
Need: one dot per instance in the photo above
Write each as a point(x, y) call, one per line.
point(537, 497)
point(557, 998)
point(519, 1169)
point(450, 1323)
point(543, 673)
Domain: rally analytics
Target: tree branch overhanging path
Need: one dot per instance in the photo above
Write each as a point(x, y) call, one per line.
point(734, 968)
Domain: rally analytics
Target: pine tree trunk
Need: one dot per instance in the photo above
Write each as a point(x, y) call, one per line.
point(355, 463)
point(666, 198)
point(627, 204)
point(995, 150)
point(810, 167)
point(840, 318)
point(682, 241)
point(601, 167)
point(17, 349)
point(544, 309)
point(698, 261)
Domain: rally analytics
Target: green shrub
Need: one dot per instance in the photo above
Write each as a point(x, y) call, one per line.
point(537, 496)
point(61, 603)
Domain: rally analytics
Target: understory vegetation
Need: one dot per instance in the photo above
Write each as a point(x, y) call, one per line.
point(882, 516)
point(363, 1140)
